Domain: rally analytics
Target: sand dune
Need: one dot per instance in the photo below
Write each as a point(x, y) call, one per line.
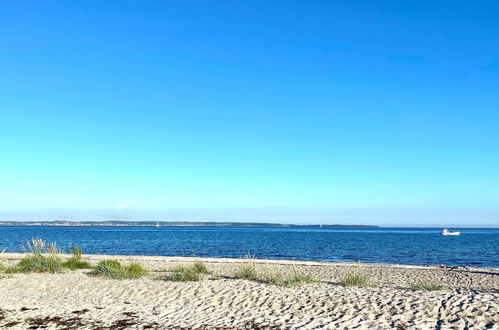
point(77, 300)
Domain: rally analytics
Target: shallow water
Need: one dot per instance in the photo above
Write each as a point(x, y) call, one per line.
point(418, 246)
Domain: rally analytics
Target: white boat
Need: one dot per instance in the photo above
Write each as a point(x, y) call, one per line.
point(157, 224)
point(446, 232)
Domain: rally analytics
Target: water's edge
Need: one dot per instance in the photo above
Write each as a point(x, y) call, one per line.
point(476, 247)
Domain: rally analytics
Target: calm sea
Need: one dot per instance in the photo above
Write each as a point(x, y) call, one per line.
point(418, 246)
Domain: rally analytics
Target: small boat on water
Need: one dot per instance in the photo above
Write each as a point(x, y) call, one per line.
point(446, 232)
point(157, 224)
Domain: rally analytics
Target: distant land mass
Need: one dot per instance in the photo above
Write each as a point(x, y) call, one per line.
point(164, 223)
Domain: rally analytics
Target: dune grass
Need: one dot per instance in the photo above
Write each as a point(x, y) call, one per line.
point(276, 277)
point(426, 286)
point(193, 273)
point(75, 262)
point(44, 257)
point(201, 268)
point(39, 263)
point(355, 278)
point(41, 257)
point(299, 278)
point(247, 272)
point(115, 270)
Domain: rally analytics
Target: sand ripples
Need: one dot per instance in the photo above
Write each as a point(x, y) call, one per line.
point(236, 304)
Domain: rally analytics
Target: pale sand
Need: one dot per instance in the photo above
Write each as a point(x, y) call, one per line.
point(76, 300)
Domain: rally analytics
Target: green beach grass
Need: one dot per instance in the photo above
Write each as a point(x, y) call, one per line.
point(44, 257)
point(247, 272)
point(115, 270)
point(355, 278)
point(426, 286)
point(193, 273)
point(274, 276)
point(75, 262)
point(41, 257)
point(277, 277)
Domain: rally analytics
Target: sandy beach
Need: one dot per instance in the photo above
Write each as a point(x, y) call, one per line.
point(75, 300)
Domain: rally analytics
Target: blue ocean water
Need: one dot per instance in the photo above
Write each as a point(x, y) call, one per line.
point(417, 246)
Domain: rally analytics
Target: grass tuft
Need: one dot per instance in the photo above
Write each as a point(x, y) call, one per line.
point(75, 261)
point(280, 279)
point(299, 278)
point(426, 286)
point(247, 272)
point(355, 278)
point(42, 257)
point(275, 277)
point(74, 264)
point(39, 263)
point(76, 252)
point(200, 268)
point(193, 273)
point(115, 270)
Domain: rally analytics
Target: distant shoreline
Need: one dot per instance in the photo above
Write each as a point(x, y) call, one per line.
point(170, 224)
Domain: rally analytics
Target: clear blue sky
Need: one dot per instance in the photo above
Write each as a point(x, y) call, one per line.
point(375, 112)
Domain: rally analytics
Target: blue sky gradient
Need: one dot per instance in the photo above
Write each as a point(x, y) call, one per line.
point(382, 112)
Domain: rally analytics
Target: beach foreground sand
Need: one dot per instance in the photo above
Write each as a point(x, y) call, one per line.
point(76, 300)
